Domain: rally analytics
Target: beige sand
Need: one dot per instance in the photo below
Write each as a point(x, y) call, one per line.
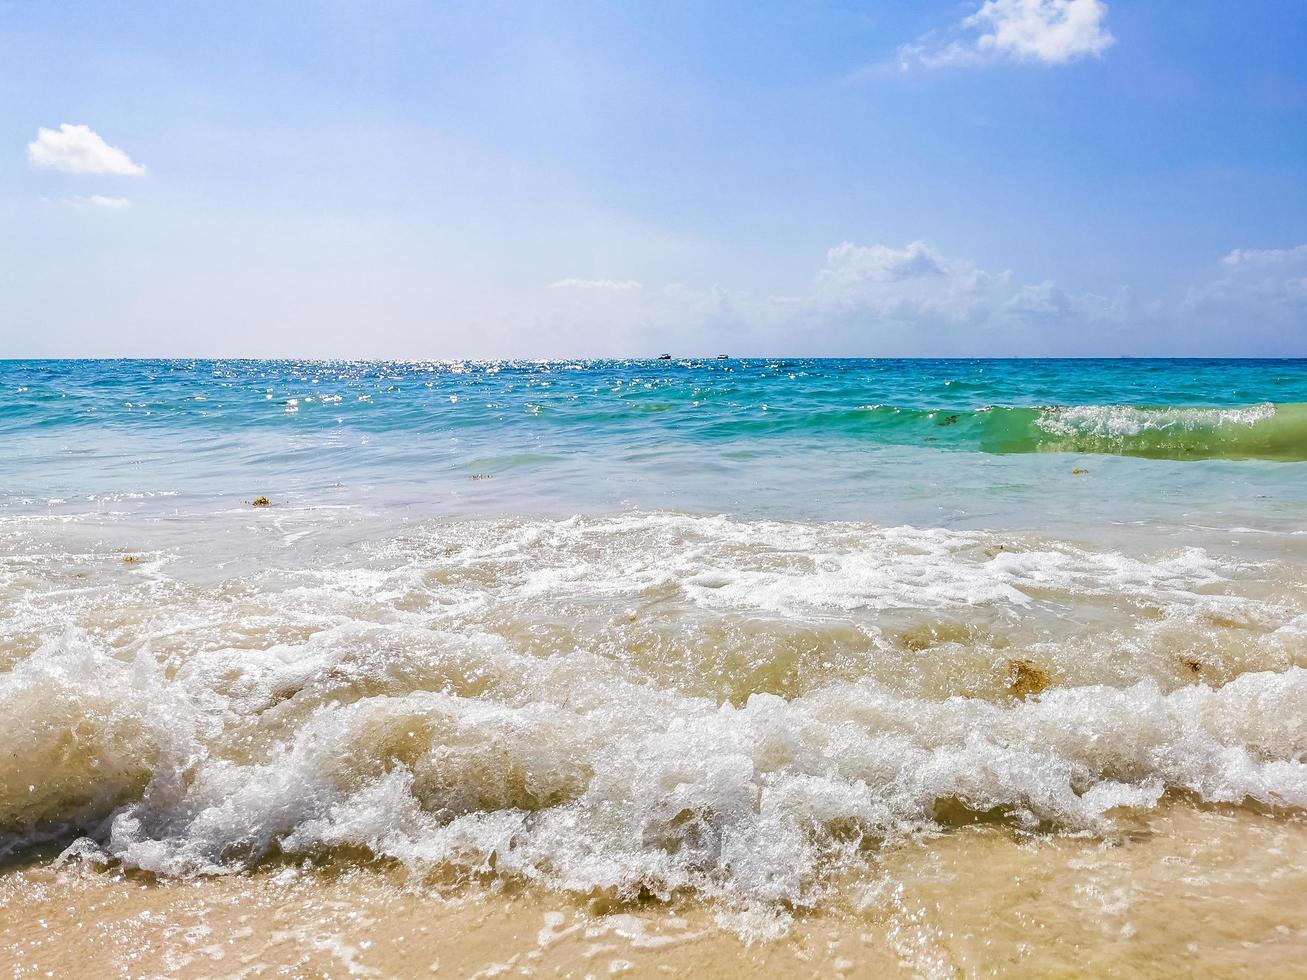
point(1218, 892)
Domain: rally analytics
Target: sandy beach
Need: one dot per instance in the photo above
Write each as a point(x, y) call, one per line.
point(1216, 892)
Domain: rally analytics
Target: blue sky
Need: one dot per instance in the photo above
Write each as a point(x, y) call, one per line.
point(403, 179)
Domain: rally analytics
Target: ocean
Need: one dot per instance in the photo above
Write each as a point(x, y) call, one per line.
point(841, 666)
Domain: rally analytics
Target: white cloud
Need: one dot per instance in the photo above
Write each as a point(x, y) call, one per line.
point(79, 150)
point(883, 297)
point(915, 283)
point(1258, 287)
point(917, 299)
point(1265, 256)
point(606, 285)
point(1040, 301)
point(1050, 32)
point(100, 201)
point(847, 263)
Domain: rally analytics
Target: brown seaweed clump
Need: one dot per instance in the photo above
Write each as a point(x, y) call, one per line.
point(1026, 678)
point(131, 560)
point(1078, 471)
point(260, 502)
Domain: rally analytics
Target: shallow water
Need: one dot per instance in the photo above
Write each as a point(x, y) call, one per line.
point(1184, 890)
point(639, 646)
point(918, 441)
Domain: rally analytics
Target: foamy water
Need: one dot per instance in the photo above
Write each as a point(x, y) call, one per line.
point(644, 702)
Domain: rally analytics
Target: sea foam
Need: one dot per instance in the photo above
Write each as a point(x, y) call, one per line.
point(643, 703)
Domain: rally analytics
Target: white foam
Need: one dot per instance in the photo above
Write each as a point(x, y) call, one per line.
point(1118, 421)
point(752, 804)
point(495, 697)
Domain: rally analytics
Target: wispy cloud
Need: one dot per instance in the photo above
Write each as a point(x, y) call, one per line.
point(1049, 32)
point(863, 292)
point(1265, 286)
point(79, 150)
point(1265, 256)
point(606, 285)
point(916, 298)
point(99, 201)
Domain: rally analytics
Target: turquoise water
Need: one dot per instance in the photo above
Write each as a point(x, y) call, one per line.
point(938, 442)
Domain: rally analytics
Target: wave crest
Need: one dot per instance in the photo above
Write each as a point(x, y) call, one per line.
point(760, 804)
point(1265, 431)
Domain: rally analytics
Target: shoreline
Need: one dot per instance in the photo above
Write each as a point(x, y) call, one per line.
point(1189, 888)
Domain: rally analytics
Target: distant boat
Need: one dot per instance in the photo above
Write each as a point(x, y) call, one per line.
point(664, 357)
point(723, 357)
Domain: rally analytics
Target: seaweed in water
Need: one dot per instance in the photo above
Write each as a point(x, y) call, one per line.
point(1026, 678)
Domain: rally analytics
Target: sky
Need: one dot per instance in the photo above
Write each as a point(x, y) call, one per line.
point(337, 178)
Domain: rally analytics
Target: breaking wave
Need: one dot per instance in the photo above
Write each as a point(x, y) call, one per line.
point(640, 705)
point(1266, 431)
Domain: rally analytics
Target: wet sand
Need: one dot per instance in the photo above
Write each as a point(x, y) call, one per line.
point(1189, 890)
